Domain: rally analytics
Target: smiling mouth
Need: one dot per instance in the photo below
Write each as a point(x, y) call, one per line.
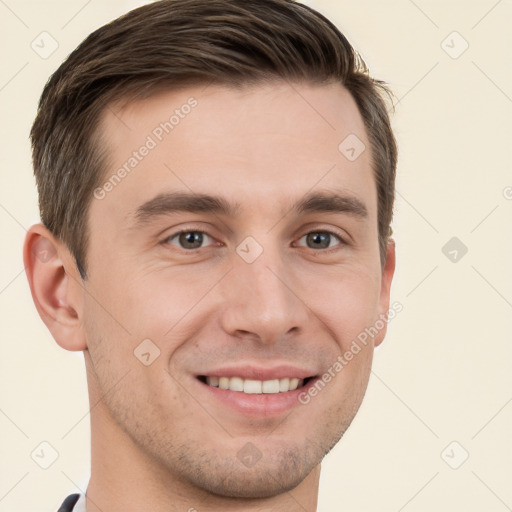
point(251, 386)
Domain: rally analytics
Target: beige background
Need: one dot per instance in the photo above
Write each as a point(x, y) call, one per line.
point(443, 373)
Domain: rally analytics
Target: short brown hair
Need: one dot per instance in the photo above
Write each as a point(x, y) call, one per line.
point(173, 43)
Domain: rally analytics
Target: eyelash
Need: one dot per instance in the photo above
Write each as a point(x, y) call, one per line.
point(328, 249)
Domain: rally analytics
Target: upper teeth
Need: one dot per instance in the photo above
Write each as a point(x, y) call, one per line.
point(255, 386)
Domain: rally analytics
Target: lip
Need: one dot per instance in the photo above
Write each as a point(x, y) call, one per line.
point(260, 373)
point(264, 405)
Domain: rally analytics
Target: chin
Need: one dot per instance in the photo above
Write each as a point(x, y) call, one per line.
point(276, 472)
point(260, 483)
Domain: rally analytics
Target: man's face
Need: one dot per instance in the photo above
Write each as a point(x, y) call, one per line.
point(261, 287)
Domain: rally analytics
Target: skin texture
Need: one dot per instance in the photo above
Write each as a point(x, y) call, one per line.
point(159, 441)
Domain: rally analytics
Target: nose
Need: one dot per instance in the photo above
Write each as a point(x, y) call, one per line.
point(262, 299)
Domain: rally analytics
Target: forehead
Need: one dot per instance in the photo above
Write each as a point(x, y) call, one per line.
point(258, 146)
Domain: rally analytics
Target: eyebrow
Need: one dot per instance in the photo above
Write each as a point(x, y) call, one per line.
point(172, 202)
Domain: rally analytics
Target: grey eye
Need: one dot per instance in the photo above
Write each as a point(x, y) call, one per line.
point(189, 239)
point(320, 239)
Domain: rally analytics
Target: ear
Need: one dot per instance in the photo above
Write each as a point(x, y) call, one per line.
point(56, 286)
point(385, 289)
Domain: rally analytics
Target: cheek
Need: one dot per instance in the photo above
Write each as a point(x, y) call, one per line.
point(131, 368)
point(348, 305)
point(156, 302)
point(135, 315)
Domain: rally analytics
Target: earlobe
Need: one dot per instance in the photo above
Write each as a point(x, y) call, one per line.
point(385, 290)
point(54, 287)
